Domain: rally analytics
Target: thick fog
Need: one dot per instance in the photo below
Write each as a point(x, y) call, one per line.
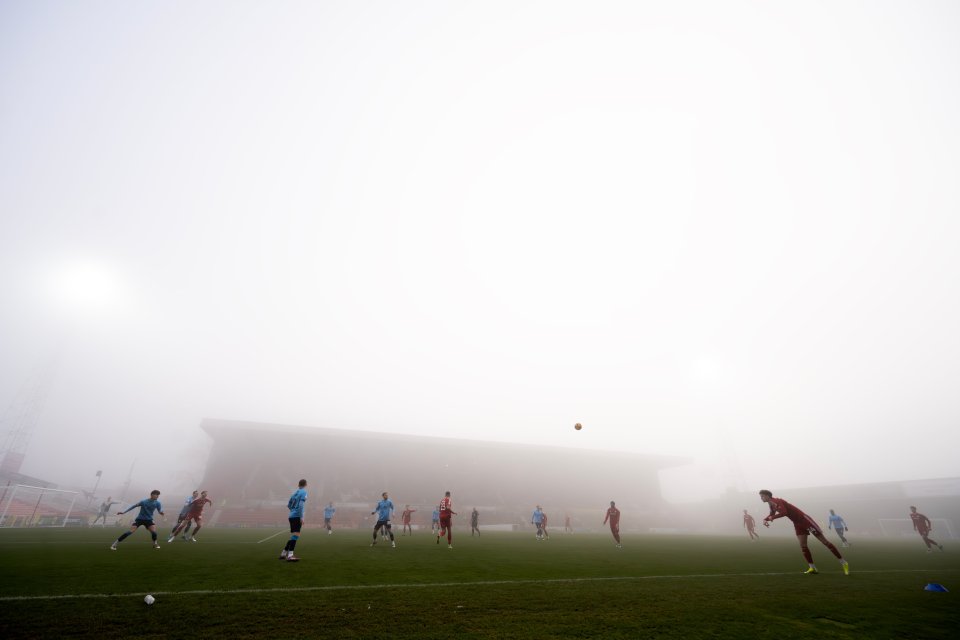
point(724, 231)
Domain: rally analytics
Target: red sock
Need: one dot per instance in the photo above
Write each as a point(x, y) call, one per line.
point(833, 549)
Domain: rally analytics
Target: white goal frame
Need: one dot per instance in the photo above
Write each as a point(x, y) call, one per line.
point(32, 520)
point(903, 527)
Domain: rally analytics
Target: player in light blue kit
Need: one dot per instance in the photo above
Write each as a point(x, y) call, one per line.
point(295, 504)
point(384, 510)
point(144, 518)
point(328, 512)
point(537, 519)
point(836, 522)
point(435, 521)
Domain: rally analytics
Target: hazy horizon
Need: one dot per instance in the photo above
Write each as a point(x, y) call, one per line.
point(720, 231)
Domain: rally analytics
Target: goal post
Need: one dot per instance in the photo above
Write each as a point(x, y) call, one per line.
point(24, 505)
point(903, 527)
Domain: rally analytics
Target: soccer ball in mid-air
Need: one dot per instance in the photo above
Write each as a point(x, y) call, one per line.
point(578, 426)
point(149, 599)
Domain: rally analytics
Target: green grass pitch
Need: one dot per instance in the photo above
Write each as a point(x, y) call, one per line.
point(63, 582)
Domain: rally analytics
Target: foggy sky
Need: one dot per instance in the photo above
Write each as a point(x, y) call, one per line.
point(724, 231)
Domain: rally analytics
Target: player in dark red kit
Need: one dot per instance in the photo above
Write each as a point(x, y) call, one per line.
point(750, 524)
point(803, 526)
point(613, 515)
point(446, 522)
point(194, 514)
point(923, 526)
point(405, 517)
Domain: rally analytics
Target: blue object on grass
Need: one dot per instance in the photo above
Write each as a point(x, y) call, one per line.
point(933, 586)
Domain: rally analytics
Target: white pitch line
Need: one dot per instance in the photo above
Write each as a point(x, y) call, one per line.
point(273, 536)
point(37, 542)
point(414, 585)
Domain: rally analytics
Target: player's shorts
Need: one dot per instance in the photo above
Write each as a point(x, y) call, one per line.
point(923, 532)
point(295, 524)
point(143, 523)
point(326, 522)
point(382, 523)
point(807, 526)
point(197, 517)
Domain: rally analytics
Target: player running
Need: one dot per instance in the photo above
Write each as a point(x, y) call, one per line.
point(183, 513)
point(613, 515)
point(104, 511)
point(328, 512)
point(923, 526)
point(837, 523)
point(194, 515)
point(474, 522)
point(144, 518)
point(295, 505)
point(803, 526)
point(537, 520)
point(384, 510)
point(446, 520)
point(750, 525)
point(405, 517)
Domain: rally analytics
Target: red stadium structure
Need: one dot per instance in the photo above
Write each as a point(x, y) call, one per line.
point(253, 468)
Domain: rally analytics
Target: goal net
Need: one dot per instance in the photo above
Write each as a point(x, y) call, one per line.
point(23, 505)
point(903, 527)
